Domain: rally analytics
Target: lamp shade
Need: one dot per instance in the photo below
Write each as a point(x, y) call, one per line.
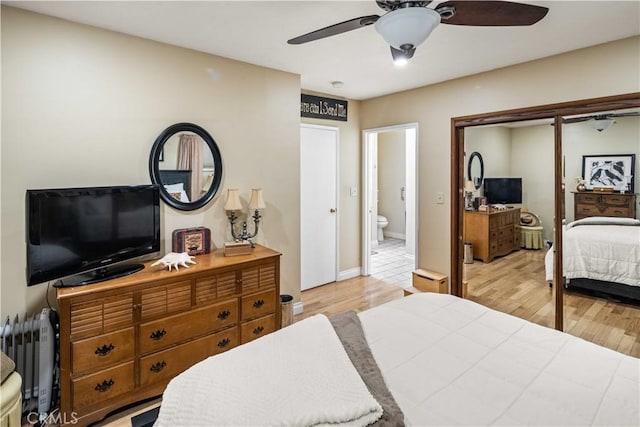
point(469, 187)
point(256, 202)
point(408, 27)
point(233, 201)
point(601, 124)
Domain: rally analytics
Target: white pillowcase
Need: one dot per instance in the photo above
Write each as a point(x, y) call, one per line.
point(177, 192)
point(604, 220)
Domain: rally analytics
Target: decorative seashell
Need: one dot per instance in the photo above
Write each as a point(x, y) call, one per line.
point(173, 259)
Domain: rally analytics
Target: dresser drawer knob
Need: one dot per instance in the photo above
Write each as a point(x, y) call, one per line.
point(104, 386)
point(158, 366)
point(259, 303)
point(224, 314)
point(104, 350)
point(223, 343)
point(258, 330)
point(157, 335)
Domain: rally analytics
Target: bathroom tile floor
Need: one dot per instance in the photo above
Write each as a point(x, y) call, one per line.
point(389, 262)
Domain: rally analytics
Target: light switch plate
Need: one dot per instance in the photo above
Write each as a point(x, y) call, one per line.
point(440, 197)
point(353, 191)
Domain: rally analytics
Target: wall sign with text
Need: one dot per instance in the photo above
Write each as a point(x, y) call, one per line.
point(323, 108)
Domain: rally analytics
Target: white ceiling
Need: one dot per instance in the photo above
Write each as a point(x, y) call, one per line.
point(257, 31)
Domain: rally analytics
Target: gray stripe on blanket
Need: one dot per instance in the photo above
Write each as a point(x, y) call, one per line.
point(349, 330)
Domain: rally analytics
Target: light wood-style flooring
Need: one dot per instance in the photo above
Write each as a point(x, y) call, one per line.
point(512, 284)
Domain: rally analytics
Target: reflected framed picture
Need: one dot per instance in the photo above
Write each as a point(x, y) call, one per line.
point(611, 171)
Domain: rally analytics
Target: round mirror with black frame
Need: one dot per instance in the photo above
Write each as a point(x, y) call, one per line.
point(475, 169)
point(186, 163)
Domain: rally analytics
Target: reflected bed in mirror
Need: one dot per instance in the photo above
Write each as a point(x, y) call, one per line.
point(186, 162)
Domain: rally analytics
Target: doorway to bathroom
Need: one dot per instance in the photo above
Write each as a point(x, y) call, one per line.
point(389, 233)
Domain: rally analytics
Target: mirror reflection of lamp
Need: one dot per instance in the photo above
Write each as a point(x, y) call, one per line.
point(469, 188)
point(256, 203)
point(626, 180)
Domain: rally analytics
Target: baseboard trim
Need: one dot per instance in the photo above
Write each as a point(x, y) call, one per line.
point(394, 235)
point(348, 274)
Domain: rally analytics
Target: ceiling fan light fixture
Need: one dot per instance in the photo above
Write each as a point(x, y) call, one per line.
point(407, 27)
point(601, 124)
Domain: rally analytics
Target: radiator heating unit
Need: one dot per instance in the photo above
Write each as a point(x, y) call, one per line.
point(31, 343)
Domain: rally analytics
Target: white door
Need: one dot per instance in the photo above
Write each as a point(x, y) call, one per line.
point(318, 205)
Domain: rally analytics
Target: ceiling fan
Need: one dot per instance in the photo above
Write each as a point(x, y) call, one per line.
point(408, 23)
point(601, 122)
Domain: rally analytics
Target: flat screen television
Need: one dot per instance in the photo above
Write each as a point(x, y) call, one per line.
point(85, 235)
point(503, 190)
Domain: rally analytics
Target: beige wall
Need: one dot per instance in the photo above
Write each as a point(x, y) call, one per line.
point(82, 106)
point(566, 77)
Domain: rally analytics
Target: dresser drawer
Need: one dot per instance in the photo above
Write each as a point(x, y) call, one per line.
point(102, 351)
point(584, 210)
point(616, 200)
point(259, 304)
point(160, 334)
point(104, 385)
point(164, 365)
point(257, 328)
point(617, 211)
point(588, 198)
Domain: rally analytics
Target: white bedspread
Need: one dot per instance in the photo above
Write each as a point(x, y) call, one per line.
point(299, 376)
point(602, 249)
point(450, 361)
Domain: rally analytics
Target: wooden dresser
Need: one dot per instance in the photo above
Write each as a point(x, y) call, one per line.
point(494, 233)
point(587, 203)
point(122, 340)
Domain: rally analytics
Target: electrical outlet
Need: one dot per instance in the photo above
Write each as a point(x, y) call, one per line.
point(440, 197)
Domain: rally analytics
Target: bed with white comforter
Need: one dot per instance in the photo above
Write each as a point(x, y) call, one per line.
point(600, 248)
point(446, 360)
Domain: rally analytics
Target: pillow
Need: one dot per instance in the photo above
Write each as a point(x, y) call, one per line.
point(177, 192)
point(604, 220)
point(6, 366)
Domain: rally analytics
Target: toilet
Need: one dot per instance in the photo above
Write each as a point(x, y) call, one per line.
point(382, 223)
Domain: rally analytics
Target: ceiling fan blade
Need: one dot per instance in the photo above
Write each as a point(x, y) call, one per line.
point(490, 13)
point(632, 114)
point(332, 30)
point(577, 119)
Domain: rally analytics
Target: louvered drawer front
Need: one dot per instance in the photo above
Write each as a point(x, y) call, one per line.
point(256, 328)
point(257, 305)
point(102, 351)
point(104, 385)
point(160, 334)
point(164, 365)
point(93, 318)
point(170, 298)
point(250, 279)
point(268, 276)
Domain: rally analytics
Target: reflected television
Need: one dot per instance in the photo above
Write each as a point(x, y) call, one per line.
point(503, 190)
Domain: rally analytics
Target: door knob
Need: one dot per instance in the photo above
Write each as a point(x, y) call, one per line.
point(332, 210)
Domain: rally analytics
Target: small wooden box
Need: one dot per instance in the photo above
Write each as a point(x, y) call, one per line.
point(237, 248)
point(194, 241)
point(430, 281)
